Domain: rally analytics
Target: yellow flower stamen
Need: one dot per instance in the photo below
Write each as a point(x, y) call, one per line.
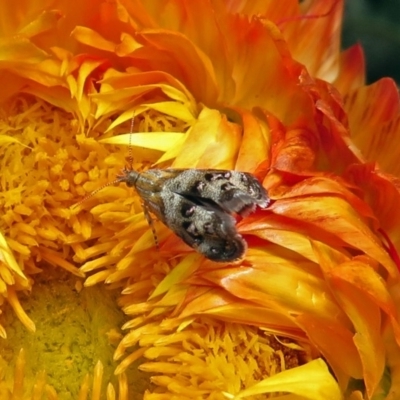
point(19, 376)
point(97, 381)
point(210, 357)
point(19, 311)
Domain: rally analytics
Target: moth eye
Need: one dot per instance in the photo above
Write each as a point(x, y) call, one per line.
point(187, 210)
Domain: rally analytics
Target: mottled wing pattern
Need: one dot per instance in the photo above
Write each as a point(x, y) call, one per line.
point(197, 205)
point(203, 226)
point(234, 192)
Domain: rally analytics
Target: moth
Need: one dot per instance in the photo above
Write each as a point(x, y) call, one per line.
point(199, 205)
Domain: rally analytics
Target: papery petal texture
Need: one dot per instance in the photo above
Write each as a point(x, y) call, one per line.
point(312, 308)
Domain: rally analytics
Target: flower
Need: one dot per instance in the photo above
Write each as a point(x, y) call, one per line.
point(261, 87)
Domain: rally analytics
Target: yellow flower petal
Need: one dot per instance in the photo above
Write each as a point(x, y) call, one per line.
point(6, 256)
point(182, 271)
point(162, 141)
point(299, 381)
point(15, 304)
point(204, 142)
point(90, 37)
point(14, 49)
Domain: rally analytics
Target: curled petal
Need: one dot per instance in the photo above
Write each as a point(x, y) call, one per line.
point(336, 216)
point(375, 122)
point(204, 143)
point(298, 381)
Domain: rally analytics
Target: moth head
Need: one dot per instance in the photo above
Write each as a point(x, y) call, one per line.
point(129, 176)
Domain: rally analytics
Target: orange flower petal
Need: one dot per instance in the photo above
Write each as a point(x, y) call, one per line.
point(301, 297)
point(175, 47)
point(254, 131)
point(384, 197)
point(47, 20)
point(375, 123)
point(366, 317)
point(90, 37)
point(12, 50)
point(218, 303)
point(352, 70)
point(335, 343)
point(336, 216)
point(319, 24)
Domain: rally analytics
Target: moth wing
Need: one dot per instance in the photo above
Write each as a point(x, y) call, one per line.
point(197, 206)
point(204, 227)
point(233, 191)
point(243, 193)
point(221, 241)
point(150, 184)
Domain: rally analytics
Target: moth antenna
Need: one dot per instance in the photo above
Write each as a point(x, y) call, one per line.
point(120, 178)
point(97, 191)
point(145, 209)
point(130, 155)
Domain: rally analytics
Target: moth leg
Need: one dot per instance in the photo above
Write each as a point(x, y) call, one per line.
point(151, 224)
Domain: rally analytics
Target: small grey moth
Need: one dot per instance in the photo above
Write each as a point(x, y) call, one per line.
point(198, 205)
